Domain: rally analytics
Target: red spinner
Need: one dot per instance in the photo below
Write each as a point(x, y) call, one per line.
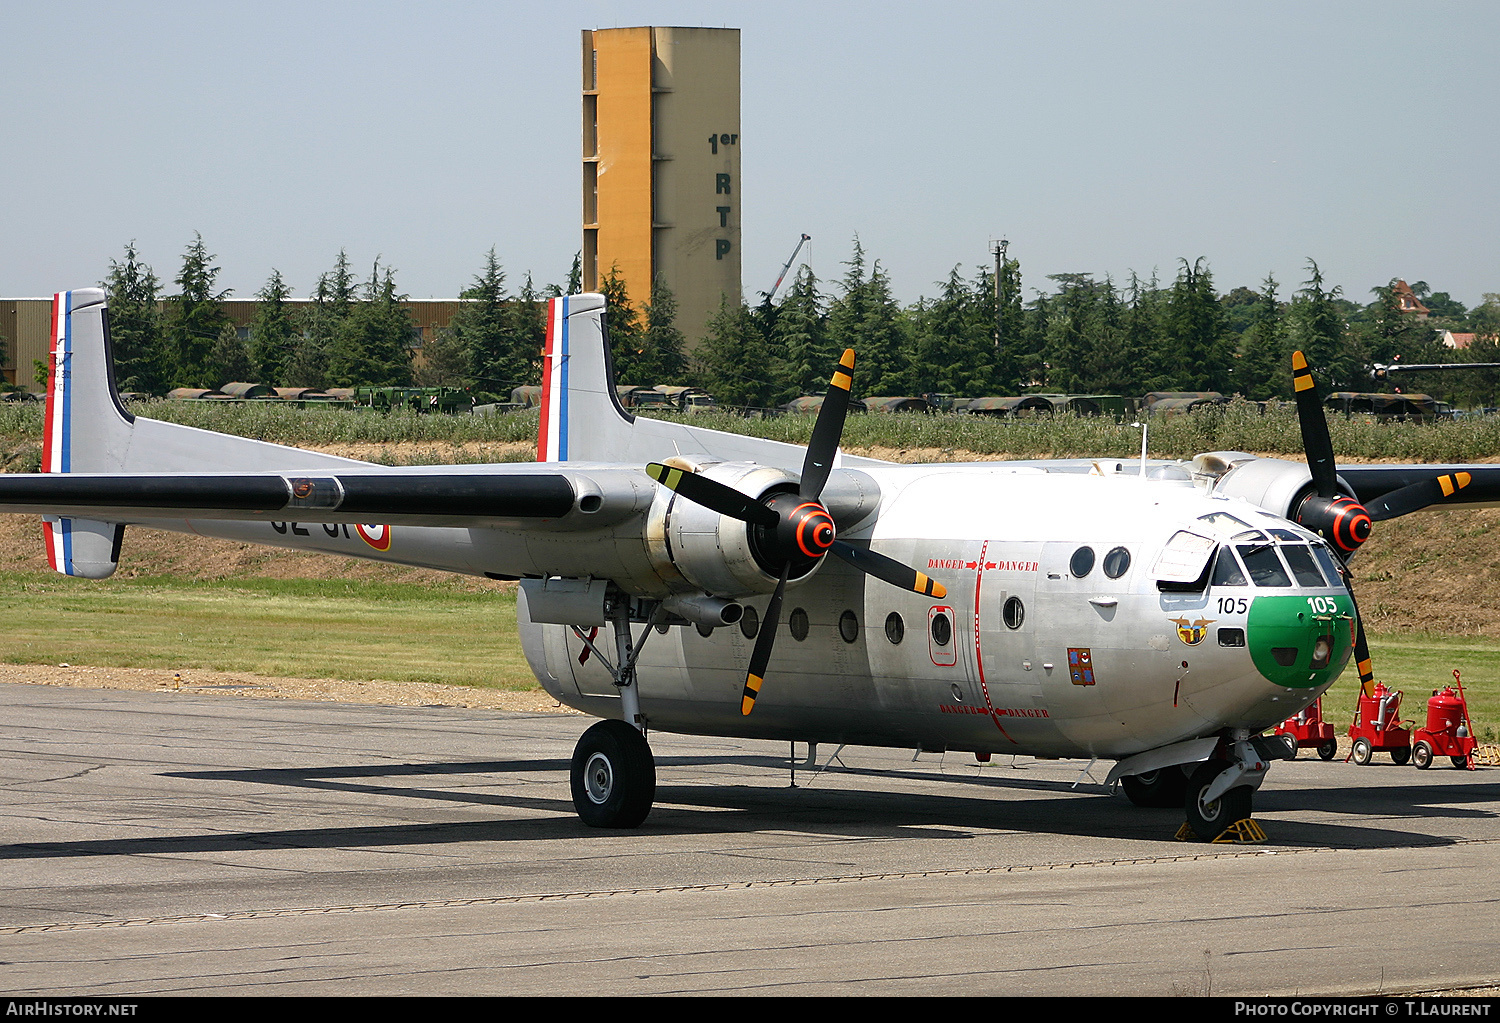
point(1449, 733)
point(1310, 731)
point(1377, 726)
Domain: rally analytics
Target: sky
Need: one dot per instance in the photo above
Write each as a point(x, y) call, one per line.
point(1098, 137)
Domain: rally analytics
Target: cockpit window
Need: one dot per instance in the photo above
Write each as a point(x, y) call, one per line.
point(1227, 571)
point(1263, 565)
point(1287, 534)
point(1304, 570)
point(1330, 567)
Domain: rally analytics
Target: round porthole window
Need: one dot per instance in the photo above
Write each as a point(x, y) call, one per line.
point(749, 622)
point(1083, 562)
point(942, 630)
point(797, 623)
point(1014, 613)
point(895, 628)
point(848, 626)
point(1117, 562)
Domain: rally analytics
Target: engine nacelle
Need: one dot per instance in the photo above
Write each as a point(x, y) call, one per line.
point(1273, 484)
point(712, 552)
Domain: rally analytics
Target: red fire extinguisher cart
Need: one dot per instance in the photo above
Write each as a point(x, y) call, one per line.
point(1449, 733)
point(1377, 727)
point(1310, 731)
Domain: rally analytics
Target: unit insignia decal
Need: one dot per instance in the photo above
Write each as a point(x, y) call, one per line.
point(1081, 666)
point(1192, 633)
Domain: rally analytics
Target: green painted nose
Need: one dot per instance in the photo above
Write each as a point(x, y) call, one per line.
point(1301, 642)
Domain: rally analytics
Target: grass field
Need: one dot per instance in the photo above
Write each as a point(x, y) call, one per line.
point(300, 628)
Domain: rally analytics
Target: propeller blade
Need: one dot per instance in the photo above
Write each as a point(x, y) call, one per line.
point(1417, 496)
point(1314, 425)
point(713, 495)
point(1362, 661)
point(765, 640)
point(828, 430)
point(889, 570)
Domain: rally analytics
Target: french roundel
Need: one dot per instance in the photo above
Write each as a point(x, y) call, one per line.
point(378, 537)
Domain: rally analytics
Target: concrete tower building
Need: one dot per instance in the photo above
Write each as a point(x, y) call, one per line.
point(661, 165)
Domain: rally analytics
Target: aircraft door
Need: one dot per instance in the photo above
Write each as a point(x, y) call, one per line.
point(1004, 631)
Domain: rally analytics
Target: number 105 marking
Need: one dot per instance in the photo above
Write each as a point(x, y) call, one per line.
point(1323, 605)
point(1233, 605)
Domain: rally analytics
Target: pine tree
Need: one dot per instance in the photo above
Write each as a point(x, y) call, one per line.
point(194, 316)
point(229, 359)
point(663, 351)
point(1322, 334)
point(623, 328)
point(732, 359)
point(1264, 369)
point(1196, 331)
point(273, 334)
point(135, 325)
point(800, 338)
point(373, 344)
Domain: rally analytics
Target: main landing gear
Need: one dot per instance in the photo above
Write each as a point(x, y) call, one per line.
point(613, 772)
point(614, 776)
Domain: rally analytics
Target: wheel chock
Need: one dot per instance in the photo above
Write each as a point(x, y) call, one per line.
point(1245, 832)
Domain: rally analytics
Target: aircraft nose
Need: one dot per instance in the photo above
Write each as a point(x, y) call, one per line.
point(1301, 641)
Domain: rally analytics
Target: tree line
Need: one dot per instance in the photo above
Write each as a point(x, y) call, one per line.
point(976, 336)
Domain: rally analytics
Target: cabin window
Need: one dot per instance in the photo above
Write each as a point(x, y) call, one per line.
point(1231, 637)
point(942, 629)
point(895, 628)
point(1083, 562)
point(1117, 562)
point(848, 626)
point(798, 624)
point(749, 622)
point(1014, 613)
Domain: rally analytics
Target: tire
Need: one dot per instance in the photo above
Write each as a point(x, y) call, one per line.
point(1462, 763)
point(1291, 746)
point(1361, 752)
point(1210, 820)
point(614, 776)
point(1421, 755)
point(1329, 749)
point(1164, 788)
point(1400, 755)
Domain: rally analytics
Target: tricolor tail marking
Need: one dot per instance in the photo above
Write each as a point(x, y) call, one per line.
point(57, 439)
point(552, 433)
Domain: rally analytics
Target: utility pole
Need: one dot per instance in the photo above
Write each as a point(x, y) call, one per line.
point(998, 248)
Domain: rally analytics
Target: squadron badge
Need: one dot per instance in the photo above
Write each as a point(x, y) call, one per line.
point(1192, 633)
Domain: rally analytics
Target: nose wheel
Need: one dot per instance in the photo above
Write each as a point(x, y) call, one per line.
point(613, 775)
point(1210, 818)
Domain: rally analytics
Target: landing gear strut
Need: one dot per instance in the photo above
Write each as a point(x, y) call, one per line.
point(613, 772)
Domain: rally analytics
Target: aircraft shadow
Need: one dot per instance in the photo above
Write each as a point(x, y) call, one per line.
point(730, 808)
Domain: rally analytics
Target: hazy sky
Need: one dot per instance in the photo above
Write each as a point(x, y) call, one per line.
point(1095, 136)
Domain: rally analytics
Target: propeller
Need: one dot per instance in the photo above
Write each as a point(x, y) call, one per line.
point(795, 529)
point(1342, 520)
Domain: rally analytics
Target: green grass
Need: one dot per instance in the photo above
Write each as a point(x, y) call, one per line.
point(301, 628)
point(1417, 664)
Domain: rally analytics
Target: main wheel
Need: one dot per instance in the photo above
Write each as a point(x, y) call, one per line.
point(1362, 752)
point(1400, 755)
point(1164, 788)
point(614, 776)
point(1329, 749)
point(1210, 819)
point(1421, 755)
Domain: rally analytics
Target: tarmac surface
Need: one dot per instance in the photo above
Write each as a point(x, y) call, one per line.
point(180, 844)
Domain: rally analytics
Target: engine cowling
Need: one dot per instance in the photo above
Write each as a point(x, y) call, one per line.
point(715, 553)
point(1286, 489)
